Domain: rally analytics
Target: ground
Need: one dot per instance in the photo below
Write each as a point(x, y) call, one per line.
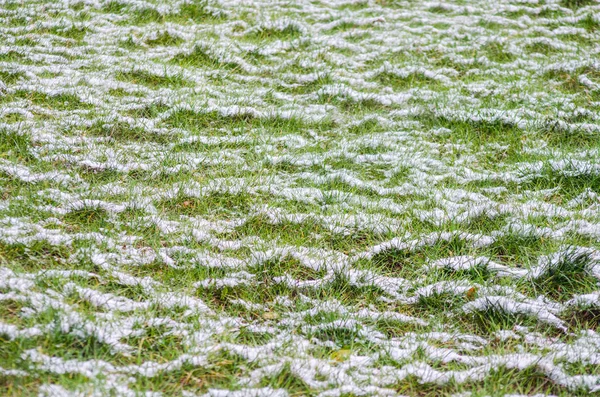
point(299, 198)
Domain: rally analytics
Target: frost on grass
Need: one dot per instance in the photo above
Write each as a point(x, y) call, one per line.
point(324, 198)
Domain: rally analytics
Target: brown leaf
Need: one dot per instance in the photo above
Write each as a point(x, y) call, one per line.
point(471, 293)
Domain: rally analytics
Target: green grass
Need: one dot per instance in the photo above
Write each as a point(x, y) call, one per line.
point(501, 381)
point(305, 88)
point(569, 277)
point(213, 122)
point(403, 83)
point(16, 145)
point(10, 77)
point(478, 133)
point(33, 257)
point(201, 57)
point(121, 131)
point(87, 218)
point(62, 101)
point(214, 203)
point(153, 80)
point(589, 23)
point(576, 4)
point(289, 266)
point(497, 53)
point(221, 372)
point(165, 39)
point(70, 32)
point(567, 181)
point(289, 32)
point(287, 380)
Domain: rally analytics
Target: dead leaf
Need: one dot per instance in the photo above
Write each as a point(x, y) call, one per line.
point(340, 355)
point(270, 315)
point(471, 293)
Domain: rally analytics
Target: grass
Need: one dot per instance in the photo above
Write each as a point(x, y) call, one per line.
point(200, 56)
point(287, 266)
point(215, 122)
point(10, 77)
point(196, 11)
point(518, 247)
point(500, 381)
point(70, 32)
point(33, 257)
point(12, 55)
point(150, 110)
point(289, 32)
point(16, 145)
point(305, 88)
point(589, 23)
point(494, 319)
point(567, 278)
point(407, 263)
point(221, 372)
point(121, 131)
point(576, 4)
point(86, 217)
point(188, 12)
point(402, 83)
point(63, 101)
point(588, 318)
point(287, 380)
point(152, 80)
point(165, 39)
point(477, 132)
point(214, 203)
point(265, 188)
point(568, 180)
point(496, 52)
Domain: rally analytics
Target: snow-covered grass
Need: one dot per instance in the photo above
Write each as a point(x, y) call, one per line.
point(299, 198)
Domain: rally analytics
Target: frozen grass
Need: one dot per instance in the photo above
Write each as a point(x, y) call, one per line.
point(307, 198)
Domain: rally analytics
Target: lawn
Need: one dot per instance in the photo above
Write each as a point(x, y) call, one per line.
point(246, 198)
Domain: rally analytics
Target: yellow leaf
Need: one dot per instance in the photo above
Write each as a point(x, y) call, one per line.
point(270, 315)
point(341, 355)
